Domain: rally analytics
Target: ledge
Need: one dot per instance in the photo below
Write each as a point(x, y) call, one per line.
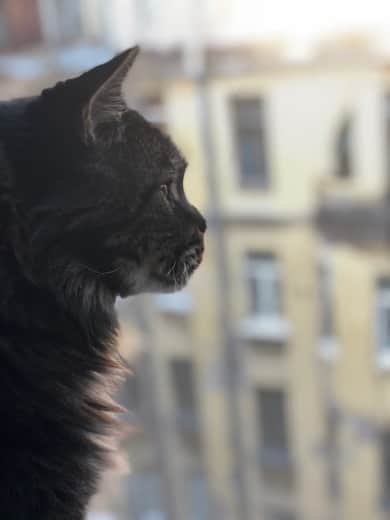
point(275, 329)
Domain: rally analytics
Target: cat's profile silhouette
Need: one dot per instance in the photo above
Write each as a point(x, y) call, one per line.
point(92, 206)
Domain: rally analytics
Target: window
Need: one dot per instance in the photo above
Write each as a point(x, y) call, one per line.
point(344, 148)
point(183, 383)
point(264, 321)
point(385, 459)
point(263, 276)
point(383, 321)
point(250, 140)
point(272, 421)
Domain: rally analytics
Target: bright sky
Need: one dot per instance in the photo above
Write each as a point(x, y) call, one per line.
point(306, 20)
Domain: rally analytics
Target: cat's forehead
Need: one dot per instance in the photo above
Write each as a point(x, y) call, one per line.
point(152, 144)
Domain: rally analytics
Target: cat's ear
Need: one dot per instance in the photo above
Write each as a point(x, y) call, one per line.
point(107, 103)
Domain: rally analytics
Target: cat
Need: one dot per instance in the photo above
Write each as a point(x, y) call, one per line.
point(92, 207)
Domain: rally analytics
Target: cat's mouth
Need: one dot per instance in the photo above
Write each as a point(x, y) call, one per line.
point(167, 273)
point(174, 274)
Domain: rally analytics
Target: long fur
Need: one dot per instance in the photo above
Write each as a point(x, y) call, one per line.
point(59, 366)
point(81, 222)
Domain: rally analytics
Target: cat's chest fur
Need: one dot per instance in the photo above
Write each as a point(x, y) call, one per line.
point(59, 366)
point(57, 414)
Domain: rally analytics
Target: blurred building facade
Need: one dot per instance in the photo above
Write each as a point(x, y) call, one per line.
point(300, 155)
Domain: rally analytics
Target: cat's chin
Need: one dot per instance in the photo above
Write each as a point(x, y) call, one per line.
point(154, 278)
point(152, 286)
point(153, 283)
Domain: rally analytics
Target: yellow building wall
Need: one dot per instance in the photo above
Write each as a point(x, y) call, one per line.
point(304, 108)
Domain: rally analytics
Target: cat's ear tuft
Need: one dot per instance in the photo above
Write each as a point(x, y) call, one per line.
point(107, 103)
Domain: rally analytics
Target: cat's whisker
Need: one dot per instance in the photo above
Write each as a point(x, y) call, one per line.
point(171, 270)
point(100, 273)
point(175, 284)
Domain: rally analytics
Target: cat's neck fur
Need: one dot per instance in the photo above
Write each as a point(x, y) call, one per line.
point(56, 404)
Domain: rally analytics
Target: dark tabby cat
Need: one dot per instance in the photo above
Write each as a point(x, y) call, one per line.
point(92, 206)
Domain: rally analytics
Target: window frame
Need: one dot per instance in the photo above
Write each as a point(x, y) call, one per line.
point(263, 276)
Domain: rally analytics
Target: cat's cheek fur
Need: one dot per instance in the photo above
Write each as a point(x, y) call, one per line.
point(140, 280)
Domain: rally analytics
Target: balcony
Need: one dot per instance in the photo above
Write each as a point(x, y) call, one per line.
point(359, 222)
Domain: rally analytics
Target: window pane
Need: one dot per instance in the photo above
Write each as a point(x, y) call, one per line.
point(273, 425)
point(263, 284)
point(254, 296)
point(248, 123)
point(344, 148)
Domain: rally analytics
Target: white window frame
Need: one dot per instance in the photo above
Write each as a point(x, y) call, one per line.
point(265, 324)
point(264, 272)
